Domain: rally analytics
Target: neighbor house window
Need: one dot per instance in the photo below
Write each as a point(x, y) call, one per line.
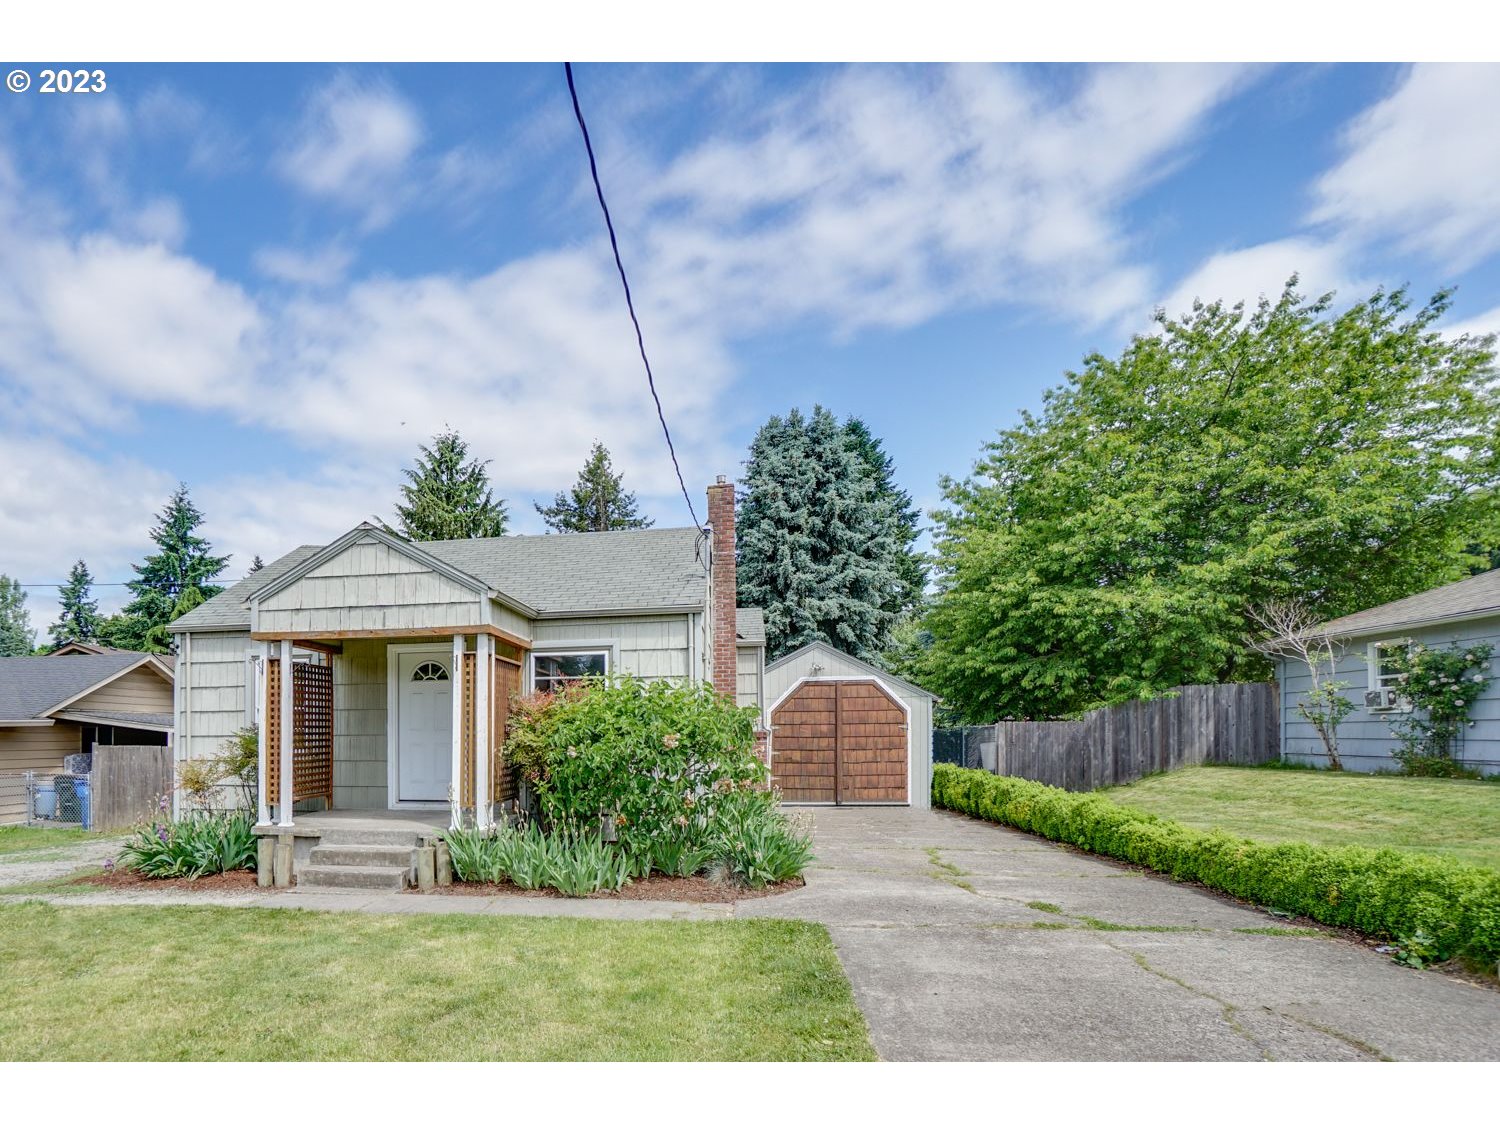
point(1381, 661)
point(550, 670)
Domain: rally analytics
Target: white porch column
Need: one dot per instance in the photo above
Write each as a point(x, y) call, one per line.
point(288, 735)
point(261, 709)
point(482, 644)
point(455, 789)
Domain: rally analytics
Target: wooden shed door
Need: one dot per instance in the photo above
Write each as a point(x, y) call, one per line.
point(839, 742)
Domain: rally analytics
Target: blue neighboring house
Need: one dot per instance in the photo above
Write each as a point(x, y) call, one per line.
point(1465, 613)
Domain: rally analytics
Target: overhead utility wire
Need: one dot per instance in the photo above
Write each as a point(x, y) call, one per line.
point(625, 283)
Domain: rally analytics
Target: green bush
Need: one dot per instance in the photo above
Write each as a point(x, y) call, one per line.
point(199, 844)
point(576, 864)
point(756, 844)
point(1453, 906)
point(660, 758)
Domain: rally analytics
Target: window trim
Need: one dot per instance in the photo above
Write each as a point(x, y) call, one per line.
point(1377, 679)
point(601, 649)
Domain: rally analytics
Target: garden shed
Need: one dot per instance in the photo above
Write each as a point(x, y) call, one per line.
point(844, 732)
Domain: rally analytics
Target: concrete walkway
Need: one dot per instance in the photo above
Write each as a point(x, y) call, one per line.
point(53, 862)
point(967, 941)
point(944, 925)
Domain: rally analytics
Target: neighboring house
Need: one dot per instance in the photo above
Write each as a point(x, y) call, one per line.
point(844, 732)
point(51, 708)
point(89, 648)
point(1465, 613)
point(403, 655)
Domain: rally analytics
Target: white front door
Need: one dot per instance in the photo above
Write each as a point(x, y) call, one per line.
point(424, 725)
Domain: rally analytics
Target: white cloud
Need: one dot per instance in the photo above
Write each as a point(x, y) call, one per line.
point(321, 267)
point(1259, 271)
point(1486, 323)
point(352, 147)
point(1422, 167)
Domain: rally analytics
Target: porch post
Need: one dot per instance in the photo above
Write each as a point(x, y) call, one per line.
point(288, 734)
point(455, 789)
point(482, 730)
point(262, 709)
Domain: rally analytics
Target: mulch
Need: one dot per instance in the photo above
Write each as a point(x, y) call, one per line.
point(123, 879)
point(659, 888)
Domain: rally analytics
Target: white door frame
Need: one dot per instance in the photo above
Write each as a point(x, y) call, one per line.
point(392, 718)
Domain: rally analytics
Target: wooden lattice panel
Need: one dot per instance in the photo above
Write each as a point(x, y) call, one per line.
point(840, 742)
point(466, 732)
point(504, 686)
point(312, 727)
point(272, 733)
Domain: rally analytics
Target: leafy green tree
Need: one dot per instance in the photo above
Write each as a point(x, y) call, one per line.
point(448, 495)
point(819, 546)
point(78, 618)
point(17, 638)
point(911, 567)
point(1112, 547)
point(597, 502)
point(174, 579)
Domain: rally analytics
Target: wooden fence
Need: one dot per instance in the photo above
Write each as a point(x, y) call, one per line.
point(1225, 723)
point(128, 781)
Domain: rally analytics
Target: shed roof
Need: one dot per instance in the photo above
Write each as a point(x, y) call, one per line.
point(31, 686)
point(750, 626)
point(556, 575)
point(1478, 596)
point(820, 646)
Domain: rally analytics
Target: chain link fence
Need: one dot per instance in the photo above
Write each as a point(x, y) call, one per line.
point(43, 798)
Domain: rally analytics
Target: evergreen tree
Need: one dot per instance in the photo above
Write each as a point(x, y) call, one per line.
point(178, 575)
point(597, 502)
point(819, 546)
point(78, 619)
point(911, 566)
point(17, 638)
point(255, 564)
point(448, 496)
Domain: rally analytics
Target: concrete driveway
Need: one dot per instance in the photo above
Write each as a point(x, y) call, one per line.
point(965, 940)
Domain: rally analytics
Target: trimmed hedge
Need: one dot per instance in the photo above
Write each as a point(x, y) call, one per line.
point(1450, 908)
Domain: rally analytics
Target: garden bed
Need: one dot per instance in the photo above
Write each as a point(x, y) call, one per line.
point(123, 879)
point(658, 888)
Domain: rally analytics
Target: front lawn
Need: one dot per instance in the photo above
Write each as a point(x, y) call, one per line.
point(1460, 819)
point(20, 838)
point(198, 983)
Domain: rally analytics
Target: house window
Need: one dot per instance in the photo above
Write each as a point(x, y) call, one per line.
point(1381, 664)
point(428, 670)
point(551, 670)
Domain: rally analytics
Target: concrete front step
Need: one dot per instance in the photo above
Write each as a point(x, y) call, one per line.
point(354, 878)
point(362, 855)
point(369, 837)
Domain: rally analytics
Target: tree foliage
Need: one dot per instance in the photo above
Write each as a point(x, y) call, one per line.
point(597, 502)
point(448, 495)
point(177, 577)
point(1112, 547)
point(819, 546)
point(78, 616)
point(911, 568)
point(17, 638)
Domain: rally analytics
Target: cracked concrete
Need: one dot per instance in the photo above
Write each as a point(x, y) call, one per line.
point(929, 912)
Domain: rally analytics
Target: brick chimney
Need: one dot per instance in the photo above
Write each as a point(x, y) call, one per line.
point(721, 585)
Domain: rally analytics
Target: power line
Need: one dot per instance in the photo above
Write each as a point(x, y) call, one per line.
point(59, 585)
point(625, 283)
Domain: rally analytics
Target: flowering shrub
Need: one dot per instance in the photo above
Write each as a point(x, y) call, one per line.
point(200, 844)
point(660, 759)
point(1441, 684)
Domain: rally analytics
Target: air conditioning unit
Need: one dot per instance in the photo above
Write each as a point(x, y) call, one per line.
point(1382, 699)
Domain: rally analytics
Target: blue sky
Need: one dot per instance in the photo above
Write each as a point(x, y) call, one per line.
point(272, 281)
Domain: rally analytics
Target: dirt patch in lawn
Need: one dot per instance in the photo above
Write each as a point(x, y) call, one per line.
point(664, 888)
point(123, 879)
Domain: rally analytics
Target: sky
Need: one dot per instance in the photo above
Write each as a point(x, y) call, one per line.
point(272, 282)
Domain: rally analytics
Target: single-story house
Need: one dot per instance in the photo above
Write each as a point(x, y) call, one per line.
point(844, 732)
point(1463, 613)
point(51, 707)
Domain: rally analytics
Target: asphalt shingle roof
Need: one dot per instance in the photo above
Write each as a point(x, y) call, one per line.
point(1466, 598)
point(750, 626)
point(593, 572)
point(30, 686)
point(121, 718)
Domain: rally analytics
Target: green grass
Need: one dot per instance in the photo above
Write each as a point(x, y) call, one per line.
point(205, 983)
point(16, 838)
point(1460, 819)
